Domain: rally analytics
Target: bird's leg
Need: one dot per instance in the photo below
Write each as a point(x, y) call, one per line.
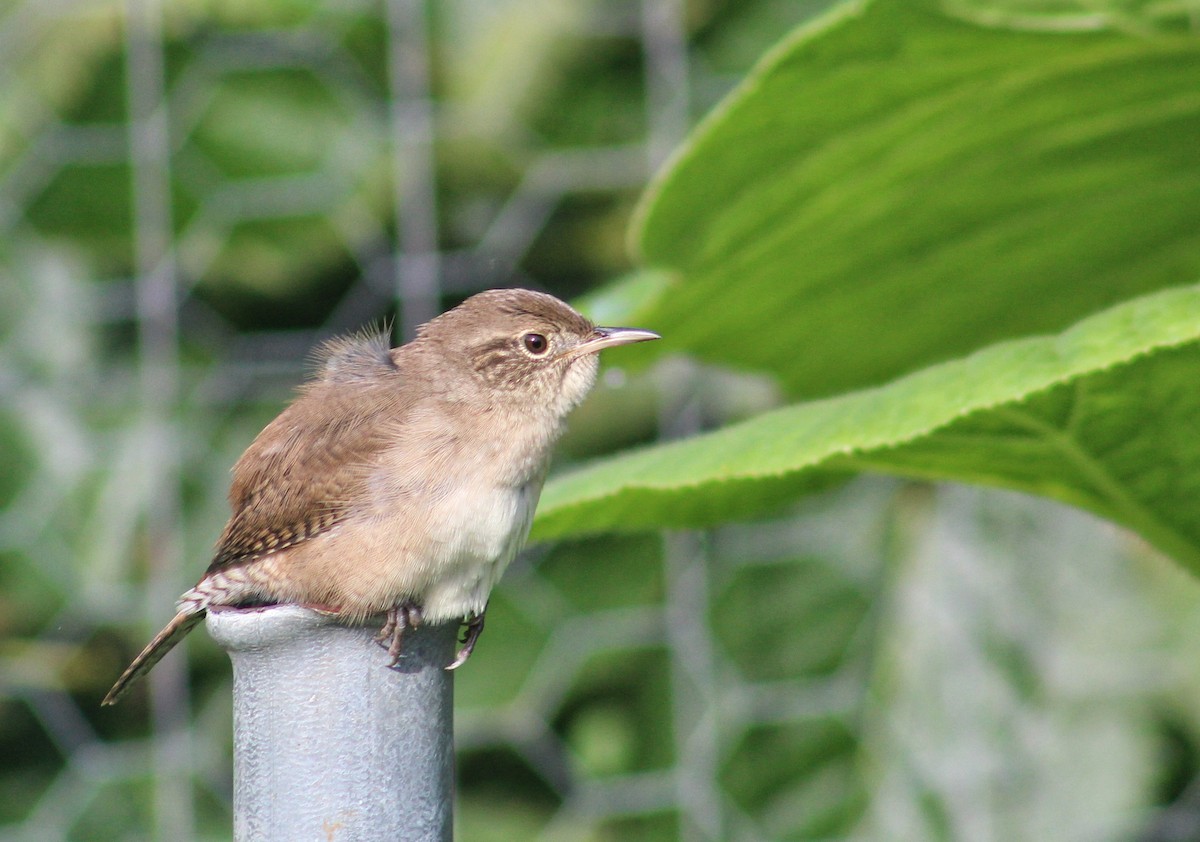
point(405, 615)
point(470, 636)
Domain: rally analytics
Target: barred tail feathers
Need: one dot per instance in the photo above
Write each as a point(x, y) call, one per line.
point(163, 642)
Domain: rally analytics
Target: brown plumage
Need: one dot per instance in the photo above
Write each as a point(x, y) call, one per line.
point(402, 480)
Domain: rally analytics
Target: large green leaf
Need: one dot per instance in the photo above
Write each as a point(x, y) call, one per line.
point(895, 187)
point(1103, 415)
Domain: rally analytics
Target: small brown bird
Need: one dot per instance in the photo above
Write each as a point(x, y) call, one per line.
point(402, 481)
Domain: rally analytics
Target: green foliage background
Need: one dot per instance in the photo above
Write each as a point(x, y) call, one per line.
point(929, 240)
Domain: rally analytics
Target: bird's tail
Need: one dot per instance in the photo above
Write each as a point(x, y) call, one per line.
point(174, 632)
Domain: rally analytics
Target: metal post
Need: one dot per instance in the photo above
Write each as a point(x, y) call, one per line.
point(329, 743)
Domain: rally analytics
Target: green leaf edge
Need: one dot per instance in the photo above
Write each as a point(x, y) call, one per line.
point(1113, 337)
point(715, 118)
point(626, 299)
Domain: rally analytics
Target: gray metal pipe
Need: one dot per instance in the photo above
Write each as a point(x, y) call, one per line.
point(329, 743)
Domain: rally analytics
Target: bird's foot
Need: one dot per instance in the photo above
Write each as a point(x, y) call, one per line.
point(470, 636)
point(406, 615)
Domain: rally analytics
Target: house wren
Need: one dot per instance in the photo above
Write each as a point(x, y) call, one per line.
point(402, 481)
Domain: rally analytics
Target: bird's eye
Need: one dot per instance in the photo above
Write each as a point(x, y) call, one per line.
point(535, 344)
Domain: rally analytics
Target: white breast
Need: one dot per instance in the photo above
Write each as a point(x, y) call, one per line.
point(479, 534)
point(450, 529)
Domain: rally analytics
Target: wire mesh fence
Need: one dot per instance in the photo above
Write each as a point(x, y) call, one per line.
point(192, 195)
point(166, 168)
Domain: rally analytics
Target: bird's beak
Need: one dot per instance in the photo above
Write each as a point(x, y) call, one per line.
point(608, 337)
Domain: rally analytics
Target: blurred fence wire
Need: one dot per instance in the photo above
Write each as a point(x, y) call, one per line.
point(193, 194)
point(120, 153)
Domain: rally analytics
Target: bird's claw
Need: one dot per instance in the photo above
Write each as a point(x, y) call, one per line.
point(474, 628)
point(406, 615)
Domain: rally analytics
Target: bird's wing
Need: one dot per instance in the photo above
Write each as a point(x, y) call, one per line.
point(301, 475)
